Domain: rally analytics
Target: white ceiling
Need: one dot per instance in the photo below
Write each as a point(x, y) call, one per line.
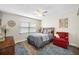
point(29, 9)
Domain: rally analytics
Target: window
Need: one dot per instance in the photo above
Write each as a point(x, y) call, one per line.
point(32, 27)
point(27, 27)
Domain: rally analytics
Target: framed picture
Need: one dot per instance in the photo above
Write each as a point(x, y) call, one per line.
point(11, 23)
point(63, 23)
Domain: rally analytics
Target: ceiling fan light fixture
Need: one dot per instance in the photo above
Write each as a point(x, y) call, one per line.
point(41, 12)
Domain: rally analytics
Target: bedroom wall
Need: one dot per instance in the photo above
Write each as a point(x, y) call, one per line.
point(73, 26)
point(14, 31)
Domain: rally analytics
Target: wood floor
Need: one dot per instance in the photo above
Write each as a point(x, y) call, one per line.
point(30, 48)
point(75, 50)
point(33, 50)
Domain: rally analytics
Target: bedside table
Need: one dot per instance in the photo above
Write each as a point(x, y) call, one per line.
point(7, 47)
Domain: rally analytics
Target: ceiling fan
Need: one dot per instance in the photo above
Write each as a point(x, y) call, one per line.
point(41, 12)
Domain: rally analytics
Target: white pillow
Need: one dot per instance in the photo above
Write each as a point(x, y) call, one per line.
point(57, 35)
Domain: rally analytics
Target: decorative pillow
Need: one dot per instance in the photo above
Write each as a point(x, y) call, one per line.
point(57, 35)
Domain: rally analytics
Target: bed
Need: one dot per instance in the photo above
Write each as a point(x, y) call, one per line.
point(39, 39)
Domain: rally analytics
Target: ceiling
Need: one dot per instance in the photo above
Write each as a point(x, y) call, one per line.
point(29, 9)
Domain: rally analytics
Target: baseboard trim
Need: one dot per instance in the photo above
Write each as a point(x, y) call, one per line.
point(74, 45)
point(20, 41)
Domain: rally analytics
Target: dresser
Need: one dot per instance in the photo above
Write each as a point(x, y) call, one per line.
point(7, 47)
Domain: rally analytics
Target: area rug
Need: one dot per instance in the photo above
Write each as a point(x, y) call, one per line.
point(20, 49)
point(48, 50)
point(54, 50)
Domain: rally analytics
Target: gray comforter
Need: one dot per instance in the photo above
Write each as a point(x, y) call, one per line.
point(39, 39)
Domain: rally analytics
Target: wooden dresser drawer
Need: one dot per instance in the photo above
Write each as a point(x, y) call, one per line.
point(8, 46)
point(8, 51)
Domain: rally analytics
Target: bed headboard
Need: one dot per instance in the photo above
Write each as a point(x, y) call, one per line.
point(48, 30)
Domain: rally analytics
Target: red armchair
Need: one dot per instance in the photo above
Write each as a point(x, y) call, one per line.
point(62, 40)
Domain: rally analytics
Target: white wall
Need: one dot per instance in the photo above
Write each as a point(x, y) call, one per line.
point(73, 25)
point(15, 31)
